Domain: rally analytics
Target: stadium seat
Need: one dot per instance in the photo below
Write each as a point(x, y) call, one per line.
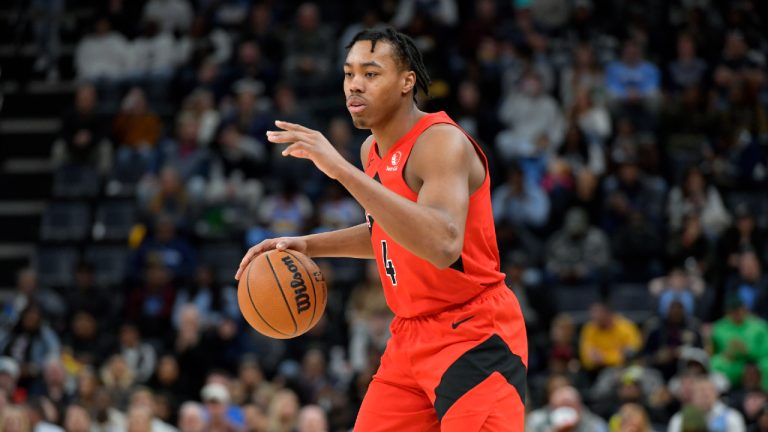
point(65, 221)
point(110, 263)
point(76, 181)
point(575, 300)
point(55, 265)
point(114, 220)
point(224, 258)
point(633, 301)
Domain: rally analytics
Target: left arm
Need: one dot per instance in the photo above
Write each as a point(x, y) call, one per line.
point(431, 228)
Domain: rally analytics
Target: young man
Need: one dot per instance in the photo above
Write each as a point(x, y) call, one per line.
point(458, 354)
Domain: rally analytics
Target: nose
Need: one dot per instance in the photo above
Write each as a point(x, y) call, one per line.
point(356, 84)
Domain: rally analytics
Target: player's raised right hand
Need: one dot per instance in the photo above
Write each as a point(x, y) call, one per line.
point(281, 243)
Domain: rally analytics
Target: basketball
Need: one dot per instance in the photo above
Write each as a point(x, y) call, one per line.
point(282, 294)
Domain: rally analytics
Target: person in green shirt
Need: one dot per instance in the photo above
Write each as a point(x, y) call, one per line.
point(739, 338)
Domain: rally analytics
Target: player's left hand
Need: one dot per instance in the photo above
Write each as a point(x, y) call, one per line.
point(309, 144)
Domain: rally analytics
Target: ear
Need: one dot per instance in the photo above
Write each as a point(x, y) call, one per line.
point(409, 81)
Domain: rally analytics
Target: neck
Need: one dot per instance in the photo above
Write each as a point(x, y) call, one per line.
point(397, 125)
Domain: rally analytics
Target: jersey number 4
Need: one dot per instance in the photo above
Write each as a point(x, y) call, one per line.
point(389, 268)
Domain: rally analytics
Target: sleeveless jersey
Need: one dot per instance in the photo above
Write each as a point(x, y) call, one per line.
point(413, 286)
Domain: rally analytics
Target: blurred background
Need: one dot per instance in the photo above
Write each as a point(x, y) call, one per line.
point(627, 141)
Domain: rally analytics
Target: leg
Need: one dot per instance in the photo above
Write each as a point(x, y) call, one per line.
point(392, 407)
point(491, 406)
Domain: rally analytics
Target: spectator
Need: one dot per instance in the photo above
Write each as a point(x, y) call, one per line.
point(85, 342)
point(142, 407)
point(118, 380)
point(739, 65)
point(77, 419)
point(593, 119)
point(737, 339)
point(309, 47)
point(169, 197)
point(85, 296)
point(637, 249)
point(287, 212)
point(213, 301)
point(154, 56)
point(678, 286)
point(82, 130)
point(55, 388)
point(136, 128)
point(631, 417)
point(38, 421)
point(190, 348)
point(106, 417)
point(30, 343)
point(27, 291)
point(9, 377)
point(338, 210)
point(192, 418)
point(172, 15)
point(631, 189)
point(743, 235)
point(583, 75)
point(151, 303)
point(632, 81)
point(255, 419)
point(139, 419)
point(565, 412)
point(312, 419)
point(750, 284)
point(168, 380)
point(102, 56)
point(687, 69)
point(607, 339)
point(283, 411)
point(519, 202)
point(688, 247)
point(216, 397)
point(239, 156)
point(695, 196)
point(139, 356)
point(719, 417)
point(578, 252)
point(199, 107)
point(166, 248)
point(582, 154)
point(534, 122)
point(666, 337)
point(185, 153)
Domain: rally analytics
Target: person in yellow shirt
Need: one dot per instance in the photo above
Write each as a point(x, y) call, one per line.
point(607, 339)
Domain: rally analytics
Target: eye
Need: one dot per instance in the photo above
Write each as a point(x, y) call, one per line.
point(370, 74)
point(347, 74)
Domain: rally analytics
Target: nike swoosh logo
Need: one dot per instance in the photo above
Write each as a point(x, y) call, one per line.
point(458, 323)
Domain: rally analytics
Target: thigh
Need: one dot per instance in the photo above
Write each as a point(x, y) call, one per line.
point(491, 406)
point(388, 406)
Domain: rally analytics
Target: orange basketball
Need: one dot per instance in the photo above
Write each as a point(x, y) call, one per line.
point(282, 294)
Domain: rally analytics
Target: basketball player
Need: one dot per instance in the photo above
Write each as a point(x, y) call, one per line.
point(458, 354)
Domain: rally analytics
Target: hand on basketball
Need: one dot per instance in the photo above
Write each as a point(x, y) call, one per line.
point(280, 243)
point(309, 144)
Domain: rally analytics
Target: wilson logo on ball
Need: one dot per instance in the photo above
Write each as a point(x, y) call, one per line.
point(299, 287)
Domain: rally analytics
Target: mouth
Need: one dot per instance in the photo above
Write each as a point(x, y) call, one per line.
point(356, 105)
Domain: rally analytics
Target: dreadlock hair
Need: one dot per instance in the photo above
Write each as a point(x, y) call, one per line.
point(406, 54)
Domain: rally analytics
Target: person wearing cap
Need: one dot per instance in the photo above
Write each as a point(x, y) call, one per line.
point(718, 416)
point(215, 396)
point(565, 413)
point(738, 338)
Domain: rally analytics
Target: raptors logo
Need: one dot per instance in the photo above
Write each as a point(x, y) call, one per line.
point(394, 161)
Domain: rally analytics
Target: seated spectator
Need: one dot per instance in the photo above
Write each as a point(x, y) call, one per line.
point(717, 415)
point(28, 290)
point(55, 388)
point(215, 396)
point(185, 152)
point(82, 131)
point(30, 342)
point(737, 339)
point(633, 81)
point(191, 348)
point(37, 410)
point(165, 246)
point(750, 285)
point(87, 386)
point(192, 418)
point(687, 70)
point(688, 247)
point(213, 301)
point(743, 235)
point(520, 203)
point(172, 15)
point(85, 341)
point(694, 363)
point(583, 74)
point(85, 295)
point(136, 128)
point(678, 286)
point(578, 252)
point(200, 108)
point(168, 197)
point(309, 47)
point(77, 419)
point(738, 64)
point(107, 417)
point(103, 55)
point(155, 55)
point(139, 356)
point(369, 319)
point(631, 189)
point(631, 417)
point(170, 381)
point(250, 113)
point(564, 412)
point(142, 401)
point(637, 249)
point(312, 419)
point(593, 120)
point(287, 212)
point(150, 303)
point(607, 339)
point(534, 122)
point(283, 411)
point(635, 384)
point(735, 157)
point(239, 155)
point(250, 380)
point(338, 209)
point(667, 335)
point(118, 380)
point(750, 395)
point(695, 196)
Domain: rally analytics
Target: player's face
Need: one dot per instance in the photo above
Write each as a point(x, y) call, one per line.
point(374, 83)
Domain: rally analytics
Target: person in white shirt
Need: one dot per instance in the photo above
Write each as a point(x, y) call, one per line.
point(719, 417)
point(103, 54)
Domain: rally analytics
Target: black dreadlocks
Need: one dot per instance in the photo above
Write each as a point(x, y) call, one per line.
point(407, 55)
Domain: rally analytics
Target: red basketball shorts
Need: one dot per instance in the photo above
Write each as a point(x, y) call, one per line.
point(462, 370)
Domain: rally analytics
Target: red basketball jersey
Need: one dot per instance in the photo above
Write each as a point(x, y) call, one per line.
point(412, 285)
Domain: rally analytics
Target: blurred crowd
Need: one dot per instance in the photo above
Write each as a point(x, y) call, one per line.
point(627, 142)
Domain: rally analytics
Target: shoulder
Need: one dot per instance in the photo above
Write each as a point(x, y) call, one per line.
point(365, 149)
point(440, 145)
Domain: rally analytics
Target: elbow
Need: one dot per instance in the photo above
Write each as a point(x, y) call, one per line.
point(448, 250)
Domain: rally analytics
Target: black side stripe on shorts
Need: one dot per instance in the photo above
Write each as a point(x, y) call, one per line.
point(473, 367)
